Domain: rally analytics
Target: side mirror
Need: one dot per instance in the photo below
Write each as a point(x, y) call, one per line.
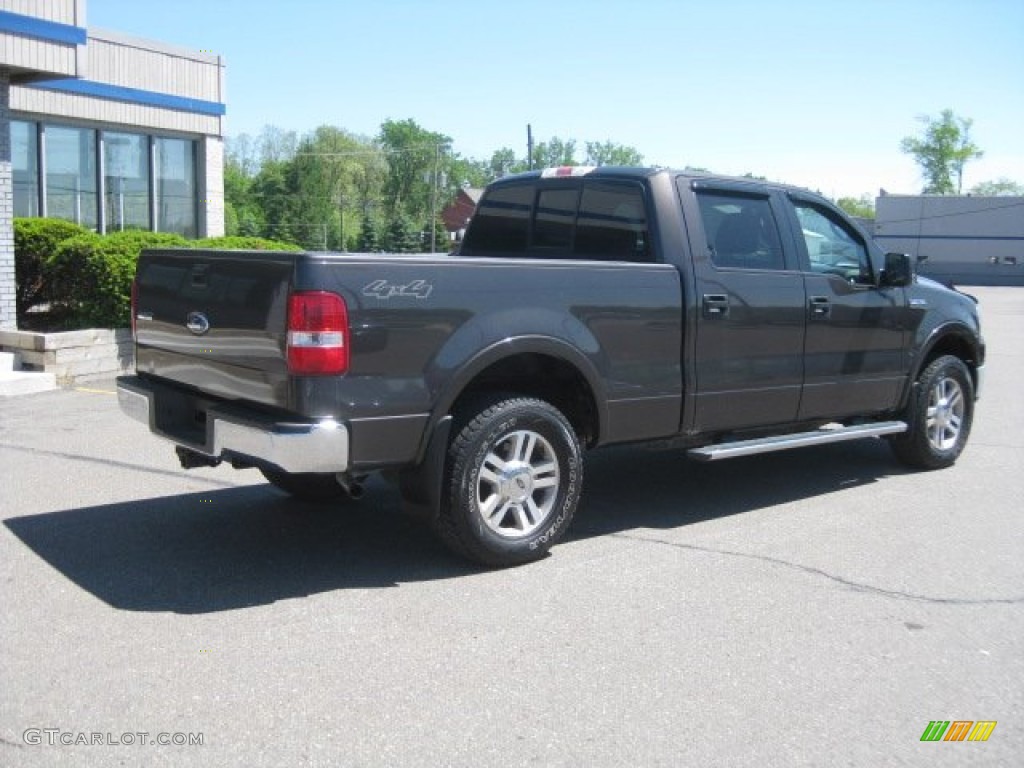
point(899, 270)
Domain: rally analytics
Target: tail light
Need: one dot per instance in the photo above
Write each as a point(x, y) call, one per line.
point(318, 334)
point(135, 303)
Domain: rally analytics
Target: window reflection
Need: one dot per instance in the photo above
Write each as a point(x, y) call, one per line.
point(175, 186)
point(71, 174)
point(126, 166)
point(25, 168)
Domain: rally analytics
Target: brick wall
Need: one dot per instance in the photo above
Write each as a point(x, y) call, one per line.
point(8, 315)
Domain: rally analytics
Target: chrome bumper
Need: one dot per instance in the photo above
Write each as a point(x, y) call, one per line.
point(321, 446)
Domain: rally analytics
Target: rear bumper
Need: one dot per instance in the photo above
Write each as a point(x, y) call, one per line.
point(318, 446)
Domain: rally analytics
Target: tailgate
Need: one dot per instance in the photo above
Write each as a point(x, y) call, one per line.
point(216, 320)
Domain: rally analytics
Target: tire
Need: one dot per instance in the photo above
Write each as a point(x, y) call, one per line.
point(939, 416)
point(513, 478)
point(307, 486)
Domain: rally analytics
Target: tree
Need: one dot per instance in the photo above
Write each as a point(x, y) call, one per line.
point(862, 206)
point(243, 152)
point(324, 178)
point(503, 162)
point(402, 236)
point(554, 153)
point(276, 145)
point(465, 172)
point(414, 163)
point(271, 189)
point(243, 214)
point(610, 153)
point(369, 241)
point(942, 151)
point(1001, 188)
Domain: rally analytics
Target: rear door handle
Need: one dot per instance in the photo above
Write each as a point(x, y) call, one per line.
point(820, 306)
point(716, 305)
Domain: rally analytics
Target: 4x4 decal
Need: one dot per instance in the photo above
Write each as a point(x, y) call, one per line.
point(382, 289)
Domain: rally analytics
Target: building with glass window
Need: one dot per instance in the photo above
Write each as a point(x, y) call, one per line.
point(104, 129)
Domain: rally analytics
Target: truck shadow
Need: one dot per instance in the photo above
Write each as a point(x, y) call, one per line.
point(629, 487)
point(235, 548)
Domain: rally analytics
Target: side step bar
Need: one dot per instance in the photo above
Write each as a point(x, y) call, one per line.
point(796, 440)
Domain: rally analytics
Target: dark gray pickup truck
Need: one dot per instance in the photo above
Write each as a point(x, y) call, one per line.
point(586, 307)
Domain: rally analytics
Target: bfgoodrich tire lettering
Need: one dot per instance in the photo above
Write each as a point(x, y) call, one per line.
point(939, 416)
point(514, 474)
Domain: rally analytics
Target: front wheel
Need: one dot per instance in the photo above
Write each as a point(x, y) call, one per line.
point(939, 416)
point(512, 484)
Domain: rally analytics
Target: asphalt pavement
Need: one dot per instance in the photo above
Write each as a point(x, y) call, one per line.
point(817, 607)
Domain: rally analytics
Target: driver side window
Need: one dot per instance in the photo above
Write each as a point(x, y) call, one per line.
point(832, 247)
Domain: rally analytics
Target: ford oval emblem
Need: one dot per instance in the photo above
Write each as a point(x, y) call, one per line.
point(197, 323)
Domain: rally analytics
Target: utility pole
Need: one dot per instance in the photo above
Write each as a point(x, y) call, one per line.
point(341, 212)
point(433, 198)
point(529, 145)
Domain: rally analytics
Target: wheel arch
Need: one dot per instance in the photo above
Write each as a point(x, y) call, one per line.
point(951, 339)
point(532, 366)
point(537, 366)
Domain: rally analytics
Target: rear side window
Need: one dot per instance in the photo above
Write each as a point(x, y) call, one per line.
point(741, 231)
point(501, 223)
point(612, 223)
point(600, 220)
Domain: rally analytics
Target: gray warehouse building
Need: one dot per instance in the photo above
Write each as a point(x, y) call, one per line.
point(104, 129)
point(971, 240)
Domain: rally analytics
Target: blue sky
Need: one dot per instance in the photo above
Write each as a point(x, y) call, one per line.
point(811, 93)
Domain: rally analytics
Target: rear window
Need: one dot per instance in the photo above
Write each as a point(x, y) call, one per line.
point(592, 219)
point(555, 218)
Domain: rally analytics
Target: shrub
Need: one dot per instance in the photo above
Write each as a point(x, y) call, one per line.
point(239, 242)
point(94, 274)
point(88, 277)
point(35, 242)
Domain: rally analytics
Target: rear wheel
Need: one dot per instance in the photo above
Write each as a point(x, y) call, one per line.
point(307, 486)
point(939, 416)
point(514, 474)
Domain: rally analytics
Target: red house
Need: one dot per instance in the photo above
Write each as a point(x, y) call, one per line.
point(458, 213)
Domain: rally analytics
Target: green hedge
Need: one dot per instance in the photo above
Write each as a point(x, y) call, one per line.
point(35, 241)
point(86, 278)
point(94, 275)
point(240, 243)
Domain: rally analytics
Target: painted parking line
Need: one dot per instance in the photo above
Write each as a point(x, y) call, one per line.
point(96, 391)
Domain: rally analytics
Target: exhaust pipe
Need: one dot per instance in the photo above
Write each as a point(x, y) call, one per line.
point(353, 486)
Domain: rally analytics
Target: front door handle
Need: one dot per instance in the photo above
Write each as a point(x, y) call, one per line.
point(716, 305)
point(820, 306)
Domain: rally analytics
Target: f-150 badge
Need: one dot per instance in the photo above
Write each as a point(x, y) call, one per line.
point(382, 289)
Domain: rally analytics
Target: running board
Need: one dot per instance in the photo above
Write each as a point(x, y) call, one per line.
point(796, 440)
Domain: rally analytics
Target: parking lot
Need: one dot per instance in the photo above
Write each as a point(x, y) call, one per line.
point(813, 607)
